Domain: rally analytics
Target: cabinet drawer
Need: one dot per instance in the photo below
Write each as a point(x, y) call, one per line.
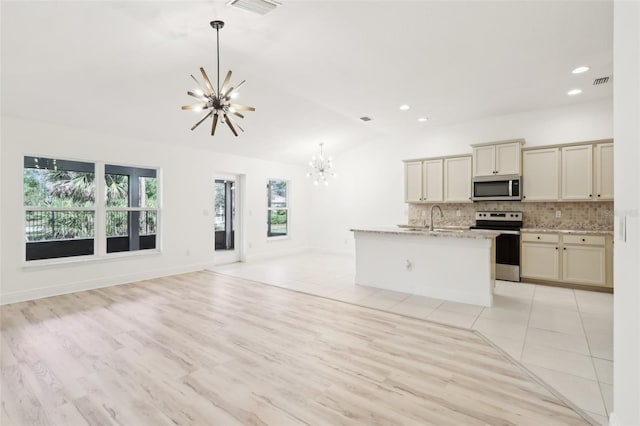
point(541, 238)
point(592, 240)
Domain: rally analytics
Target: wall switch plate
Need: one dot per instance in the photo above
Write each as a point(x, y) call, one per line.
point(458, 213)
point(558, 214)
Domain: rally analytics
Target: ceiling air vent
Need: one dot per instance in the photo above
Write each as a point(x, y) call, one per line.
point(601, 80)
point(365, 118)
point(261, 7)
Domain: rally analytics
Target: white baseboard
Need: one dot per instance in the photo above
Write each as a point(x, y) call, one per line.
point(612, 419)
point(42, 292)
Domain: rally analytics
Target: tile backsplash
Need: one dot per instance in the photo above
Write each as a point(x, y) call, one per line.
point(594, 215)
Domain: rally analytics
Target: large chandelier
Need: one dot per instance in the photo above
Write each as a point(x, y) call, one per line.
point(217, 100)
point(322, 168)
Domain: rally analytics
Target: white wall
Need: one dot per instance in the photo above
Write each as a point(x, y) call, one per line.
point(369, 188)
point(187, 231)
point(626, 335)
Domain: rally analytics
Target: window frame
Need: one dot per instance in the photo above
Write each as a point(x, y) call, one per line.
point(99, 209)
point(287, 209)
point(29, 208)
point(133, 212)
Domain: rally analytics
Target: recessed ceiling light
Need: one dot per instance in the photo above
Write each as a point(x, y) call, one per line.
point(404, 107)
point(574, 92)
point(423, 119)
point(580, 70)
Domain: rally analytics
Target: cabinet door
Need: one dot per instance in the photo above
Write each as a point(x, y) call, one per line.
point(457, 180)
point(604, 171)
point(484, 160)
point(508, 159)
point(577, 165)
point(541, 174)
point(432, 184)
point(540, 261)
point(584, 264)
point(413, 182)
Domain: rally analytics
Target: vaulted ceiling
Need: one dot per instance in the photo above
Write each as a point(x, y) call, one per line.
point(312, 67)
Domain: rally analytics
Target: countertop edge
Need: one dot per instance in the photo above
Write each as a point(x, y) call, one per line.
point(567, 231)
point(476, 234)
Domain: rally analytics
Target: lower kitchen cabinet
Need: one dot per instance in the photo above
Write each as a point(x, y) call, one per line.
point(540, 261)
point(567, 258)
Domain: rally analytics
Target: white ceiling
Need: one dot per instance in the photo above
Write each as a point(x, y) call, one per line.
point(312, 67)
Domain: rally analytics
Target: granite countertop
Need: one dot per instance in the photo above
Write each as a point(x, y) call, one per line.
point(568, 231)
point(451, 232)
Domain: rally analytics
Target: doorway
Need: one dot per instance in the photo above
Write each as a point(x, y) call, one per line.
point(225, 219)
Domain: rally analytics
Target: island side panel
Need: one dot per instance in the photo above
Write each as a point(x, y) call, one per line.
point(449, 268)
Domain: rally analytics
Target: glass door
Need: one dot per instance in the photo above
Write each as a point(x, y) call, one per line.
point(224, 224)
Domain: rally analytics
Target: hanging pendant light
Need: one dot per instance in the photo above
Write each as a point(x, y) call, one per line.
point(217, 100)
point(322, 168)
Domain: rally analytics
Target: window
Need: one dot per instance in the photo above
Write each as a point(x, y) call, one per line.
point(131, 208)
point(277, 208)
point(59, 201)
point(62, 213)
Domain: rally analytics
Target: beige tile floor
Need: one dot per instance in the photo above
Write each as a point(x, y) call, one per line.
point(563, 336)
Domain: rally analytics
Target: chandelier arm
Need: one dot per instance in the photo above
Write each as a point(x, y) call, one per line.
point(202, 119)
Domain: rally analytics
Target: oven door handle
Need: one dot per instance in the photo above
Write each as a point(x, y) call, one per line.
point(508, 232)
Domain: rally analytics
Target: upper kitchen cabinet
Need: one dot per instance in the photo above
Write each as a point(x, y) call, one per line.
point(577, 172)
point(423, 181)
point(457, 179)
point(413, 182)
point(432, 184)
point(604, 171)
point(568, 172)
point(497, 158)
point(541, 174)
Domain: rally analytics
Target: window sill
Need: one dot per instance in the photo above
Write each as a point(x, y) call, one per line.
point(77, 260)
point(281, 238)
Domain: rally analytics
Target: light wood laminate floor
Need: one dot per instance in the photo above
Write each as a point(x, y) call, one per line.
point(210, 349)
point(563, 336)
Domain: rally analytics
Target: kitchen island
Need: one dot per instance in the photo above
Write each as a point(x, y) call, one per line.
point(450, 264)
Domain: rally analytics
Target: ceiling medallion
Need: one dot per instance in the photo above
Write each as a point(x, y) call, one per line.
point(217, 100)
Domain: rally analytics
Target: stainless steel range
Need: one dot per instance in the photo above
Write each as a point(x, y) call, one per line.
point(507, 243)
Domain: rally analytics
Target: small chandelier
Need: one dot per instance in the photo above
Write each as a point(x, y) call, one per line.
point(217, 100)
point(322, 168)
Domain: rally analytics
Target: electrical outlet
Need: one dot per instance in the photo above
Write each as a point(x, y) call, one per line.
point(458, 213)
point(558, 214)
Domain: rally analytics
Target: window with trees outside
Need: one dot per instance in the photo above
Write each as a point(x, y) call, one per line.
point(277, 208)
point(62, 213)
point(131, 198)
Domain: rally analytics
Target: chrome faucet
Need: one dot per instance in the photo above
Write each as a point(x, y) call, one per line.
point(431, 215)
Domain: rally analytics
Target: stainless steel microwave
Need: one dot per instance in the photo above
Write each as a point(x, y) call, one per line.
point(497, 188)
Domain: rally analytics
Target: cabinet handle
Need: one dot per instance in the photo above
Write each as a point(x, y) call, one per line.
point(524, 196)
point(538, 237)
point(583, 239)
point(590, 195)
point(556, 248)
point(564, 248)
point(598, 195)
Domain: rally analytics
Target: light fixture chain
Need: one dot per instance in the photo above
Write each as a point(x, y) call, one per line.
point(218, 55)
